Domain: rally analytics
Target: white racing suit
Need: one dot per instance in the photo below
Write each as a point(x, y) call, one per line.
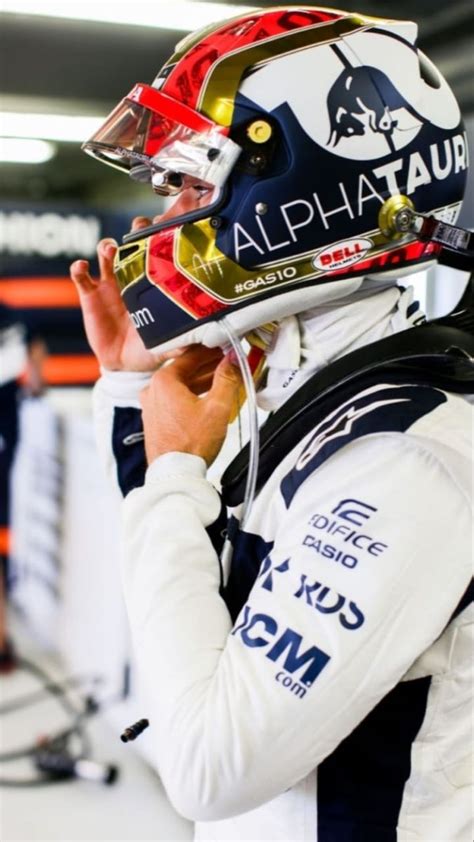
point(320, 689)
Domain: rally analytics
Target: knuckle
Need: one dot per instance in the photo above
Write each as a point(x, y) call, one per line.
point(230, 376)
point(160, 374)
point(140, 222)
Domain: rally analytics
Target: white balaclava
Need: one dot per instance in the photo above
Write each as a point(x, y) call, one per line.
point(315, 337)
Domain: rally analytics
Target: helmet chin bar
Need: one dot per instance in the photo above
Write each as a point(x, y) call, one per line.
point(192, 216)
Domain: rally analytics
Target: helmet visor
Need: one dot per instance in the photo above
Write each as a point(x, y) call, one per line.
point(159, 140)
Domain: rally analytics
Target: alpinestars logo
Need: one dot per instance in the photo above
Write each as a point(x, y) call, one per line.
point(340, 425)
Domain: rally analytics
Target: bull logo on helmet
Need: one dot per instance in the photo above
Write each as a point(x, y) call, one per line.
point(373, 94)
point(362, 99)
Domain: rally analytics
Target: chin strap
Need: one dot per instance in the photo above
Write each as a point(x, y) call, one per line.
point(398, 217)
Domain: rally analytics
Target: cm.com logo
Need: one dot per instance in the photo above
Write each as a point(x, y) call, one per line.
point(141, 318)
point(259, 631)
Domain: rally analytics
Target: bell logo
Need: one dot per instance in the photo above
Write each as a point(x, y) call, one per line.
point(340, 255)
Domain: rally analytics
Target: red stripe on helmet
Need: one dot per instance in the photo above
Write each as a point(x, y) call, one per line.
point(410, 253)
point(186, 79)
point(168, 107)
point(180, 289)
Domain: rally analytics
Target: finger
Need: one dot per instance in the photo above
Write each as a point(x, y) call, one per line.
point(171, 355)
point(81, 277)
point(202, 384)
point(197, 359)
point(196, 376)
point(226, 383)
point(106, 251)
point(140, 222)
point(191, 372)
point(204, 365)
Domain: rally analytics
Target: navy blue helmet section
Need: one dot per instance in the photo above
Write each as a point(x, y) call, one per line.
point(320, 197)
point(148, 306)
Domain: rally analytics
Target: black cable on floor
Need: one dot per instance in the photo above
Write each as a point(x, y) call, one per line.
point(32, 698)
point(52, 755)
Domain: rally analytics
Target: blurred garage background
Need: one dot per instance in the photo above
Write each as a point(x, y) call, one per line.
point(62, 70)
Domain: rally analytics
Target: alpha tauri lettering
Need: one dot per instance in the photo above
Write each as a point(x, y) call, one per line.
point(349, 198)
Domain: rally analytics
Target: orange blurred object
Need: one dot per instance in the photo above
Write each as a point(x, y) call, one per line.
point(38, 292)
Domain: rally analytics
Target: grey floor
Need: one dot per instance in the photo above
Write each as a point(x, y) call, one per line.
point(134, 808)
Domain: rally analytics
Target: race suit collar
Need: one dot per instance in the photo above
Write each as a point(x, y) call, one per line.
point(311, 340)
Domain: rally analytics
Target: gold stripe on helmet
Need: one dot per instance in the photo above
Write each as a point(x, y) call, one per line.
point(199, 259)
point(219, 90)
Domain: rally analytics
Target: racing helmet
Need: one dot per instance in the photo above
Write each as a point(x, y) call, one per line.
point(280, 134)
